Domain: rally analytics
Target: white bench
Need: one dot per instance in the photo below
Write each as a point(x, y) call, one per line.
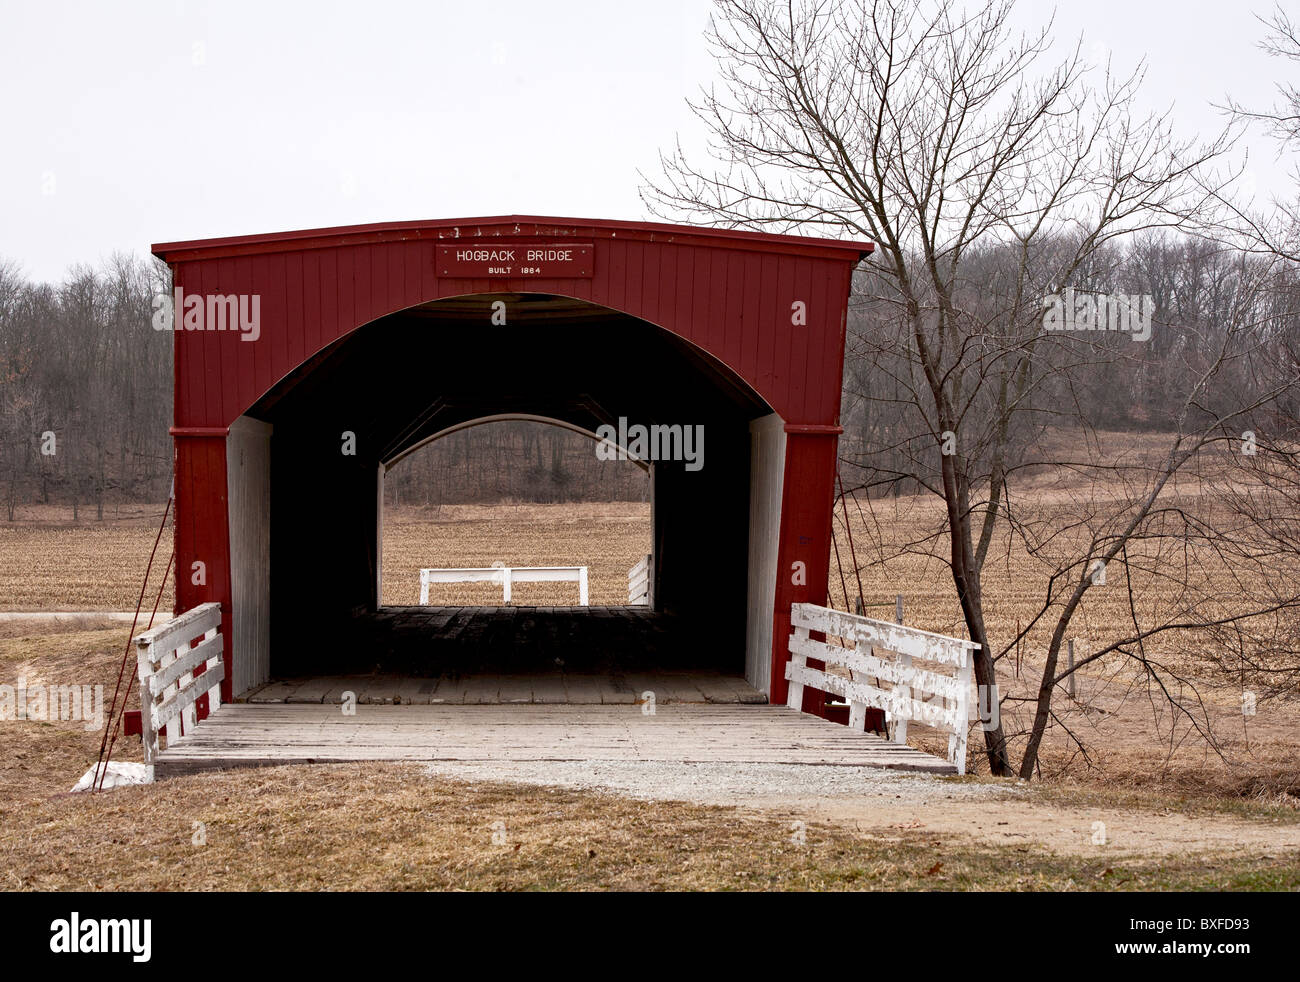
point(506, 576)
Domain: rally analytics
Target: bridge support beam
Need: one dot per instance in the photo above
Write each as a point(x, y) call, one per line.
point(803, 565)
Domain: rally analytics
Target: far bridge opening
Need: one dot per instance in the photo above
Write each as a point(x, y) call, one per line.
point(521, 546)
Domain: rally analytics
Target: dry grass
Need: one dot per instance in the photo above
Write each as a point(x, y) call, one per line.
point(394, 827)
point(44, 756)
point(391, 827)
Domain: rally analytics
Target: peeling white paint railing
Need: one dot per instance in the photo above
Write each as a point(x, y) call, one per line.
point(166, 659)
point(507, 576)
point(883, 653)
point(638, 582)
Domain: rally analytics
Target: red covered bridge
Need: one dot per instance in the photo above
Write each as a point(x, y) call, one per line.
point(391, 335)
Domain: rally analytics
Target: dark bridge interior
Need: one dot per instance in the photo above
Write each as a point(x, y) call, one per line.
point(399, 381)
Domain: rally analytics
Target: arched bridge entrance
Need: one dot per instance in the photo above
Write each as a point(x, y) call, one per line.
point(307, 363)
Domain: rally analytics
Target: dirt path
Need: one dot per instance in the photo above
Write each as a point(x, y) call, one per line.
point(1062, 830)
point(893, 804)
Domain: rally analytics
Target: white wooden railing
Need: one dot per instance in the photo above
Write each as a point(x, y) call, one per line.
point(883, 653)
point(639, 585)
point(165, 664)
point(507, 576)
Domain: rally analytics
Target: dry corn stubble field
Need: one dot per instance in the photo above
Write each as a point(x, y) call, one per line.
point(606, 538)
point(48, 563)
point(1131, 770)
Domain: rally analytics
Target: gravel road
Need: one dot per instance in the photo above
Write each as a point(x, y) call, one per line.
point(754, 785)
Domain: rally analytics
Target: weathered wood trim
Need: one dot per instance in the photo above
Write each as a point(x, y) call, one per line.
point(795, 667)
point(640, 582)
point(868, 664)
point(248, 486)
point(894, 701)
point(200, 654)
point(185, 699)
point(166, 660)
point(212, 432)
point(813, 429)
point(871, 639)
point(767, 447)
point(882, 634)
point(166, 637)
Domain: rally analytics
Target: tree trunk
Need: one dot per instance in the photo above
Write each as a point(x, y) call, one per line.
point(966, 578)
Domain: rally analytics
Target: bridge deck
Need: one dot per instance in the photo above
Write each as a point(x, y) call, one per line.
point(246, 734)
point(613, 687)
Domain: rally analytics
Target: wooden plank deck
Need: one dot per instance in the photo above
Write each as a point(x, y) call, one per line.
point(245, 734)
point(609, 688)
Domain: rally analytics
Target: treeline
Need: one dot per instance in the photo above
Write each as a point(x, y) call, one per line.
point(85, 388)
point(1220, 315)
point(512, 461)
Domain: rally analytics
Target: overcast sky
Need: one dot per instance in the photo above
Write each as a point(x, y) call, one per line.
point(129, 123)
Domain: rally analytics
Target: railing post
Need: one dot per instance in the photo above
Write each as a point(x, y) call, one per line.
point(173, 725)
point(582, 586)
point(214, 693)
point(424, 587)
point(897, 726)
point(144, 669)
point(858, 710)
point(190, 715)
point(957, 741)
point(505, 580)
point(794, 691)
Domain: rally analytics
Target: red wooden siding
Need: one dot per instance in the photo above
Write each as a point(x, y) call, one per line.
point(726, 292)
point(730, 293)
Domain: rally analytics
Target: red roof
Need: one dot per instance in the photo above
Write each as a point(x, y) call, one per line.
point(505, 226)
